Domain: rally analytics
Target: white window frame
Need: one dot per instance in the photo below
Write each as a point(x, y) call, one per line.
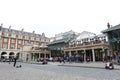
point(13, 35)
point(19, 41)
point(20, 36)
point(6, 34)
point(5, 40)
point(37, 39)
point(4, 46)
point(12, 46)
point(32, 38)
point(12, 40)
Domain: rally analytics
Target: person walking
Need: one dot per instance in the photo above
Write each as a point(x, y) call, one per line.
point(9, 59)
point(15, 59)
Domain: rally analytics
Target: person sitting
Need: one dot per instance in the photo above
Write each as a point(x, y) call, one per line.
point(109, 65)
point(44, 62)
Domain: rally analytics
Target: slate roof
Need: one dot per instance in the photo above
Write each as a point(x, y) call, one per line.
point(111, 28)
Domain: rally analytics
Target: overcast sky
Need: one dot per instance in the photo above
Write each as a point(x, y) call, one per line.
point(56, 16)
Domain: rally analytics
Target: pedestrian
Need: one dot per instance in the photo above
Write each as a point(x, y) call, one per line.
point(9, 59)
point(14, 61)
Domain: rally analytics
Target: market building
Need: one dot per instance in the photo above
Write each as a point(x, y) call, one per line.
point(88, 44)
point(56, 46)
point(113, 33)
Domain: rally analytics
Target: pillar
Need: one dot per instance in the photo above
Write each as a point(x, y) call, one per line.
point(39, 55)
point(108, 52)
point(50, 54)
point(29, 57)
point(93, 55)
point(44, 55)
point(33, 56)
point(8, 43)
point(0, 53)
point(85, 56)
point(103, 53)
point(69, 53)
point(16, 44)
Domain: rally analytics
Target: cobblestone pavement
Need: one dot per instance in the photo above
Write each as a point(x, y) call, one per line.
point(54, 72)
point(100, 65)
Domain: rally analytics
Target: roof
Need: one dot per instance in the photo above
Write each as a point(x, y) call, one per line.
point(111, 28)
point(59, 41)
point(85, 34)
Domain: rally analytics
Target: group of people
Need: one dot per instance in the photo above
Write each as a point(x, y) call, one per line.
point(14, 64)
point(68, 59)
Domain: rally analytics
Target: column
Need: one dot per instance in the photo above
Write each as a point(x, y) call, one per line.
point(8, 43)
point(0, 42)
point(50, 54)
point(108, 52)
point(76, 52)
point(39, 55)
point(16, 44)
point(33, 56)
point(0, 53)
point(29, 58)
point(85, 56)
point(93, 55)
point(69, 53)
point(103, 53)
point(44, 55)
point(23, 42)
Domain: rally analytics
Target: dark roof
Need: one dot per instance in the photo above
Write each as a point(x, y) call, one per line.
point(111, 28)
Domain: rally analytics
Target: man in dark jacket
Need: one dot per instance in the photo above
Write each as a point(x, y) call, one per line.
point(15, 59)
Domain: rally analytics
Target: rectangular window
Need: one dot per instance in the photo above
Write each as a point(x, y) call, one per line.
point(6, 34)
point(19, 46)
point(27, 42)
point(37, 43)
point(4, 46)
point(13, 36)
point(32, 42)
point(12, 40)
point(26, 37)
point(20, 36)
point(0, 33)
point(19, 41)
point(32, 38)
point(12, 46)
point(37, 39)
point(42, 40)
point(5, 40)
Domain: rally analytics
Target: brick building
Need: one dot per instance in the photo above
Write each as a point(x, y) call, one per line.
point(13, 42)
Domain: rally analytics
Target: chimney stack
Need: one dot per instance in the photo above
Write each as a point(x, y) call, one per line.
point(33, 32)
point(108, 25)
point(9, 28)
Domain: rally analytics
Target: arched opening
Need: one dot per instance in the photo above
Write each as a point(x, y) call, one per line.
point(11, 55)
point(4, 56)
